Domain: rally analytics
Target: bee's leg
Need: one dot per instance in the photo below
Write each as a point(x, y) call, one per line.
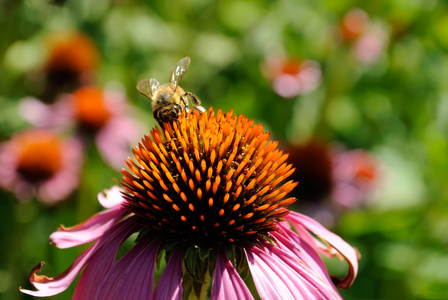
point(178, 109)
point(185, 101)
point(193, 98)
point(158, 118)
point(196, 102)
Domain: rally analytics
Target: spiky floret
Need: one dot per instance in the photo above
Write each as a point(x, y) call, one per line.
point(208, 180)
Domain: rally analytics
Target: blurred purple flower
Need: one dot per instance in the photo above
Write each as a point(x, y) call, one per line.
point(210, 192)
point(291, 77)
point(39, 163)
point(92, 112)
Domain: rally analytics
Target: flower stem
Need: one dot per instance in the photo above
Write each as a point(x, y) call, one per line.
point(200, 292)
point(204, 289)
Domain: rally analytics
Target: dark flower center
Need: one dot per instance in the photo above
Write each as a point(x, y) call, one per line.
point(90, 109)
point(209, 180)
point(72, 51)
point(39, 156)
point(314, 171)
point(71, 58)
point(291, 67)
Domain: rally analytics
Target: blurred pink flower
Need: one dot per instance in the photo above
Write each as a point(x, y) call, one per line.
point(292, 77)
point(92, 112)
point(331, 179)
point(356, 174)
point(39, 163)
point(367, 38)
point(195, 195)
point(370, 45)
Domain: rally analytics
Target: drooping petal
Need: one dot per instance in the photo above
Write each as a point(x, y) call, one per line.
point(170, 283)
point(132, 277)
point(49, 286)
point(227, 283)
point(89, 230)
point(104, 258)
point(285, 278)
point(292, 243)
point(342, 247)
point(319, 246)
point(312, 280)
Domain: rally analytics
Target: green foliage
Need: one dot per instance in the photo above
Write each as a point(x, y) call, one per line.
point(395, 106)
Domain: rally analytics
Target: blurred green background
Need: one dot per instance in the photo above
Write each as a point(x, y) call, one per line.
point(373, 77)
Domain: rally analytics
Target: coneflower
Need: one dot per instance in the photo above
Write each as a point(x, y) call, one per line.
point(98, 114)
point(210, 193)
point(39, 163)
point(292, 77)
point(71, 61)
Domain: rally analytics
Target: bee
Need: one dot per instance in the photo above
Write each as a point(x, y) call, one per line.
point(169, 100)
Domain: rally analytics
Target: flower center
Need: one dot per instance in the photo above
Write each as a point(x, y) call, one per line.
point(70, 61)
point(291, 67)
point(314, 171)
point(209, 180)
point(71, 51)
point(90, 109)
point(39, 156)
point(353, 24)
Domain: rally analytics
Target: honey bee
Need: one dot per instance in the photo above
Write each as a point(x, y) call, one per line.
point(169, 100)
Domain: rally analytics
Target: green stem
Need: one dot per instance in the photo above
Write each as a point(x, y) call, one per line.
point(203, 290)
point(205, 285)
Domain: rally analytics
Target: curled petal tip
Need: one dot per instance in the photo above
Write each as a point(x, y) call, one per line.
point(37, 268)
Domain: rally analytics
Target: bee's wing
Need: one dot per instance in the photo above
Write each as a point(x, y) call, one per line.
point(148, 87)
point(178, 71)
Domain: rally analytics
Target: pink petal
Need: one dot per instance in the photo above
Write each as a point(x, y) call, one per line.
point(292, 243)
point(312, 280)
point(101, 263)
point(320, 247)
point(49, 286)
point(342, 247)
point(227, 283)
point(170, 283)
point(132, 277)
point(58, 115)
point(287, 85)
point(93, 228)
point(113, 197)
point(278, 275)
point(116, 140)
point(269, 284)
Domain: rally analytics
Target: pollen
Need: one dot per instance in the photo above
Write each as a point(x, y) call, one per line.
point(217, 173)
